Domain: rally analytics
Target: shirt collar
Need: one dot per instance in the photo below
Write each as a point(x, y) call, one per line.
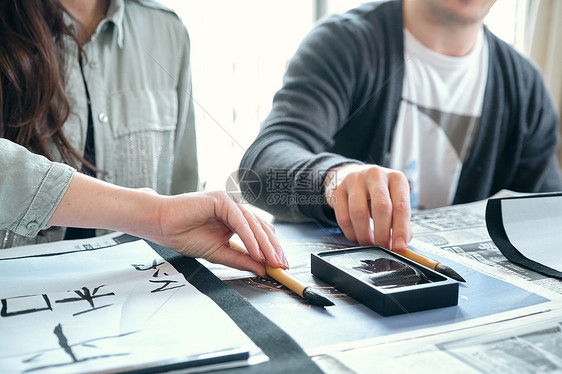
point(115, 15)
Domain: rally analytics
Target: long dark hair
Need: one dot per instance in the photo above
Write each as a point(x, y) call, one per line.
point(33, 102)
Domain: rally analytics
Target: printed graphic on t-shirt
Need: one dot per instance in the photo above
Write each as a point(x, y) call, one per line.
point(438, 119)
point(429, 147)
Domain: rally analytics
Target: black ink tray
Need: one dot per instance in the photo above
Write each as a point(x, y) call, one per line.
point(384, 281)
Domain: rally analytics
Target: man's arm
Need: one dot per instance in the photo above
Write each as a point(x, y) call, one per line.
point(330, 107)
point(292, 153)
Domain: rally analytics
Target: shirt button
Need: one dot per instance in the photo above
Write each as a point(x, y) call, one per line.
point(32, 226)
point(102, 117)
point(94, 65)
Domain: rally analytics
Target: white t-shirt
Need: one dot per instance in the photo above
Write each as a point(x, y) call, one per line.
point(437, 121)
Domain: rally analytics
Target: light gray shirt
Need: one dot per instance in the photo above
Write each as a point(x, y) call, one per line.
point(137, 73)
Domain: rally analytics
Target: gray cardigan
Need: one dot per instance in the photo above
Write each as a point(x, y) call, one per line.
point(339, 103)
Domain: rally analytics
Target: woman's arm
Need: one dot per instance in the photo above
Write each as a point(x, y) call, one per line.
point(193, 224)
point(36, 193)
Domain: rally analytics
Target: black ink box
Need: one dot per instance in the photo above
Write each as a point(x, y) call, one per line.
point(384, 281)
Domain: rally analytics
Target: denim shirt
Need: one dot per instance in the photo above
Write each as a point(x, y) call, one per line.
point(137, 72)
point(30, 189)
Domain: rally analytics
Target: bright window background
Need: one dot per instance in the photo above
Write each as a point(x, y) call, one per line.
point(239, 52)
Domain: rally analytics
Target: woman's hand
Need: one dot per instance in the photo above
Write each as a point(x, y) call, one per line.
point(201, 225)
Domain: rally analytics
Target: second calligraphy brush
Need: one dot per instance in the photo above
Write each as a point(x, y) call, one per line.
point(432, 264)
point(308, 293)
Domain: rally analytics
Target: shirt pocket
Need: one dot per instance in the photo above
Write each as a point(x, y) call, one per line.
point(142, 147)
point(143, 110)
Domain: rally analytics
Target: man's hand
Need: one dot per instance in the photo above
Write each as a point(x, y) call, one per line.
point(360, 192)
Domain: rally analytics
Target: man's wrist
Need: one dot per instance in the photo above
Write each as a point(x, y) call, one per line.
point(334, 176)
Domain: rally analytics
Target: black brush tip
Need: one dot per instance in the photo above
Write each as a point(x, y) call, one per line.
point(444, 269)
point(314, 297)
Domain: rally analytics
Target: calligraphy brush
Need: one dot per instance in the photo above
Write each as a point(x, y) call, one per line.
point(309, 294)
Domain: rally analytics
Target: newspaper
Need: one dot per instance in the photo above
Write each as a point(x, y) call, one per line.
point(459, 233)
point(524, 344)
